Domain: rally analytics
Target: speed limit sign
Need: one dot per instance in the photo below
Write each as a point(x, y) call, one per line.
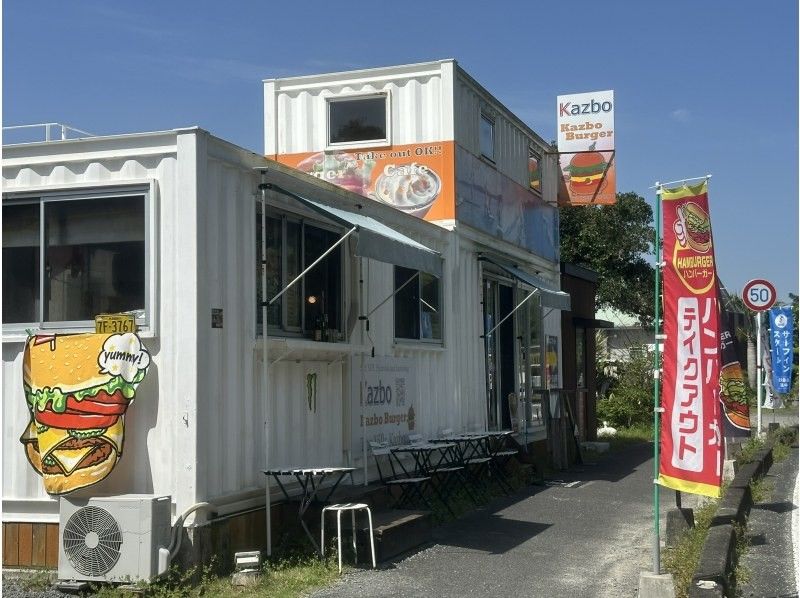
point(759, 294)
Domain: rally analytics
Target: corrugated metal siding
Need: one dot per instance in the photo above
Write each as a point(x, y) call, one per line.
point(511, 143)
point(231, 442)
point(217, 405)
point(450, 380)
point(150, 444)
point(416, 104)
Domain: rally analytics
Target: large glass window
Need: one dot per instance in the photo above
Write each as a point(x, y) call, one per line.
point(68, 259)
point(313, 306)
point(486, 134)
point(357, 120)
point(417, 305)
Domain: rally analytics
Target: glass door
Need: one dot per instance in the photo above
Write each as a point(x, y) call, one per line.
point(499, 344)
point(530, 378)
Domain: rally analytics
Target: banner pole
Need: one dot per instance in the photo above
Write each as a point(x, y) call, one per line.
point(656, 388)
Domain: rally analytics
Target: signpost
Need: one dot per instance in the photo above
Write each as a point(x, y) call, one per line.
point(759, 296)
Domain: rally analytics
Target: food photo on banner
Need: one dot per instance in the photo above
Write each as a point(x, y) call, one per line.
point(78, 388)
point(691, 431)
point(732, 387)
point(781, 327)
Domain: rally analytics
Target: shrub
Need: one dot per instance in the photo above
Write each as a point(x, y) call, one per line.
point(629, 401)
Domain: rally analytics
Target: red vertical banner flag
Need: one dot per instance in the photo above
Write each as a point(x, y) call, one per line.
point(691, 427)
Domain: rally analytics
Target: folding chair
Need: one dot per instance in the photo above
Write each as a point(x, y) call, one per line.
point(499, 459)
point(475, 470)
point(411, 488)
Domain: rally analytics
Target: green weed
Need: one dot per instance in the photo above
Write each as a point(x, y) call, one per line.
point(682, 559)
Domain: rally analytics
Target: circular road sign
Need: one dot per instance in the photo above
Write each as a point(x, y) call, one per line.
point(759, 294)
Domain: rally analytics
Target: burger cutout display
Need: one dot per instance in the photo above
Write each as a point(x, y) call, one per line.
point(587, 172)
point(78, 388)
point(697, 226)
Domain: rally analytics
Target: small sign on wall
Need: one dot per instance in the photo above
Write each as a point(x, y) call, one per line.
point(216, 317)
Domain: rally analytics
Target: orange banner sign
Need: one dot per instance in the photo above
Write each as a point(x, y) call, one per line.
point(417, 178)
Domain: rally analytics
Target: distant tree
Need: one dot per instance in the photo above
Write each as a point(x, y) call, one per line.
point(614, 241)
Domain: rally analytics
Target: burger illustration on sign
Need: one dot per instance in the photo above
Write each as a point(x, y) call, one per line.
point(587, 172)
point(697, 227)
point(78, 388)
point(733, 394)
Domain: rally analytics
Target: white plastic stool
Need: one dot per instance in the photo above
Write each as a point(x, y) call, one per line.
point(339, 509)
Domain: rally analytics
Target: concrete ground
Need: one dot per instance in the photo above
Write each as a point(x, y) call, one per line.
point(588, 535)
point(773, 559)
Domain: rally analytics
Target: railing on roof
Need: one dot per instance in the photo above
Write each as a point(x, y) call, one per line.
point(65, 131)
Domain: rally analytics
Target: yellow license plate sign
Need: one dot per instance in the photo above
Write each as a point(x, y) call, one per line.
point(114, 323)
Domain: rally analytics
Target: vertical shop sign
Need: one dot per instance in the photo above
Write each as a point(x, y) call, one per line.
point(586, 139)
point(691, 434)
point(781, 334)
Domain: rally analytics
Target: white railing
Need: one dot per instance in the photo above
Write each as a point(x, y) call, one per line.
point(65, 130)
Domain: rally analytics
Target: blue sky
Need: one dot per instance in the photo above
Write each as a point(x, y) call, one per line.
point(701, 87)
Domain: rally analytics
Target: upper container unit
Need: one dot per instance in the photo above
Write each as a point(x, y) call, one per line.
point(426, 139)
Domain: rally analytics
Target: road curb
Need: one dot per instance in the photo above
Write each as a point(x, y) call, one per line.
point(714, 575)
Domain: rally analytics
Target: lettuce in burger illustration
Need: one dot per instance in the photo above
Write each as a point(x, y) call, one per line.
point(733, 394)
point(77, 389)
point(587, 172)
point(697, 227)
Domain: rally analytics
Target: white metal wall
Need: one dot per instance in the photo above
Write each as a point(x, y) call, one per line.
point(196, 429)
point(295, 108)
point(511, 141)
point(149, 458)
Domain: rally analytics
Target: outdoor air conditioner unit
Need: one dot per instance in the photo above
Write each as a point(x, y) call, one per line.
point(114, 538)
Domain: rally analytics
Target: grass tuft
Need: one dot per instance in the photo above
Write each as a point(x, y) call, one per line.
point(682, 559)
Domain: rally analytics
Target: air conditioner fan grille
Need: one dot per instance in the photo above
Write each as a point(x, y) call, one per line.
point(92, 541)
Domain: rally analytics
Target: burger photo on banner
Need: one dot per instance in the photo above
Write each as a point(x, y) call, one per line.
point(78, 388)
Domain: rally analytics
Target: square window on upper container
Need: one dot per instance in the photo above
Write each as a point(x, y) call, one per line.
point(358, 121)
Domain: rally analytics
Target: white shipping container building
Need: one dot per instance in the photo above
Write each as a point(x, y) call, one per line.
point(203, 427)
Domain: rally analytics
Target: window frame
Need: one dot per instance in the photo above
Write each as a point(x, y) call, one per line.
point(419, 339)
point(147, 323)
point(533, 153)
point(333, 99)
point(283, 330)
point(485, 116)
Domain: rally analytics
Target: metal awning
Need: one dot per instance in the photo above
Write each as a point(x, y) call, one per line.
point(375, 240)
point(551, 297)
point(591, 322)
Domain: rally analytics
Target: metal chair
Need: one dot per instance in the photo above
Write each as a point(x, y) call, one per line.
point(411, 487)
point(339, 509)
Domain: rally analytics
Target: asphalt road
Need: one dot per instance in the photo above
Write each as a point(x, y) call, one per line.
point(588, 537)
point(772, 558)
